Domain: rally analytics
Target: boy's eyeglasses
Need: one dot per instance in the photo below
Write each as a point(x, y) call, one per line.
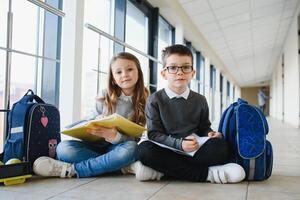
point(174, 69)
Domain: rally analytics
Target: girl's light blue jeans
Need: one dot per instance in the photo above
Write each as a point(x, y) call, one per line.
point(95, 159)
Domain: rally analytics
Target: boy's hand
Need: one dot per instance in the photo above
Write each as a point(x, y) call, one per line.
point(214, 134)
point(190, 144)
point(109, 134)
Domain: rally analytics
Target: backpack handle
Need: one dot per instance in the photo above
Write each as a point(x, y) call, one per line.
point(242, 101)
point(30, 96)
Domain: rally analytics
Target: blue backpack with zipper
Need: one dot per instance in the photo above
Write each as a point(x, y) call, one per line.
point(245, 128)
point(33, 129)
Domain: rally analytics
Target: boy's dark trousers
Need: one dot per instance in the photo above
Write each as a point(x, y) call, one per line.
point(213, 152)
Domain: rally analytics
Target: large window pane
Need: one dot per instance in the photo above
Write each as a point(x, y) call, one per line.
point(136, 35)
point(2, 66)
point(24, 38)
point(164, 40)
point(97, 51)
point(3, 22)
point(22, 76)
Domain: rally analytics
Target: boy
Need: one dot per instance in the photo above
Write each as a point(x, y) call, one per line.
point(176, 117)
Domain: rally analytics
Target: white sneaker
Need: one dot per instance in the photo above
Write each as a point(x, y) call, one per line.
point(142, 172)
point(228, 173)
point(46, 166)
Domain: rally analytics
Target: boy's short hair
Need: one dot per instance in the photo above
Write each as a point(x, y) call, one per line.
point(175, 49)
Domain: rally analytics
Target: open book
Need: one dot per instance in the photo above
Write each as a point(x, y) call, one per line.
point(123, 125)
point(200, 140)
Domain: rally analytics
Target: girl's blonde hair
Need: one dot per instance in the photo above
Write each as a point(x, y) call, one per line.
point(140, 93)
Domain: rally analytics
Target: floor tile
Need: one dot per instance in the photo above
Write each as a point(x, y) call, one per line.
point(116, 187)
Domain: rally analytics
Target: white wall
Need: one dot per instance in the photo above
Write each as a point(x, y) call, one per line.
point(291, 77)
point(290, 99)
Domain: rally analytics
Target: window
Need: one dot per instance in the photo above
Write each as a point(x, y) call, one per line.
point(3, 23)
point(202, 71)
point(228, 89)
point(136, 35)
point(3, 27)
point(26, 70)
point(164, 40)
point(194, 81)
point(212, 78)
point(2, 79)
point(97, 51)
point(221, 93)
point(212, 91)
point(228, 93)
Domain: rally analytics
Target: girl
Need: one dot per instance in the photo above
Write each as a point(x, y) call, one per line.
point(125, 95)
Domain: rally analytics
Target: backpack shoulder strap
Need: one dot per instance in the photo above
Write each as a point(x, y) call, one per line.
point(224, 123)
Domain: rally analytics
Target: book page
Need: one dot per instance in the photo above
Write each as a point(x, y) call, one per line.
point(200, 140)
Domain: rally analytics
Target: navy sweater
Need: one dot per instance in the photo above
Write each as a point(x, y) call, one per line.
point(170, 120)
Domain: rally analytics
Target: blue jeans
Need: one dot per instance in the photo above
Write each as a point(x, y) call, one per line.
point(95, 159)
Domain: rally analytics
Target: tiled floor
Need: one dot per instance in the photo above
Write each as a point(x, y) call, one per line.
point(284, 184)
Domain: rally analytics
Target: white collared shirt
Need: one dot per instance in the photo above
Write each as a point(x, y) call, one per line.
point(172, 94)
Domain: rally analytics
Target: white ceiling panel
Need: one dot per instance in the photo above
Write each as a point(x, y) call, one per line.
point(240, 28)
point(291, 4)
point(224, 3)
point(230, 21)
point(185, 1)
point(196, 7)
point(210, 27)
point(232, 10)
point(271, 10)
point(263, 3)
point(214, 35)
point(266, 21)
point(203, 18)
point(247, 35)
point(287, 13)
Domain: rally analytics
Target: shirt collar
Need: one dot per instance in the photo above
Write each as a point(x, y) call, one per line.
point(125, 98)
point(172, 94)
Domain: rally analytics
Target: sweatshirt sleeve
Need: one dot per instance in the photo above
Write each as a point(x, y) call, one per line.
point(156, 130)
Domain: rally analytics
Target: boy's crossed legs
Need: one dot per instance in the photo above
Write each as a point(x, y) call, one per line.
point(197, 168)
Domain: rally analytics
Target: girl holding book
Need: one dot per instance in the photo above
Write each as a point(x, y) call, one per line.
point(125, 95)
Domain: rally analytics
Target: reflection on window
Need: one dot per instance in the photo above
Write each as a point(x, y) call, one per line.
point(164, 40)
point(137, 36)
point(97, 52)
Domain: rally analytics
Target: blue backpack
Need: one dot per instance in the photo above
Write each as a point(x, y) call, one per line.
point(33, 129)
point(245, 128)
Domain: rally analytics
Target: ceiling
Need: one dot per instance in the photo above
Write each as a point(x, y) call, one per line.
point(247, 35)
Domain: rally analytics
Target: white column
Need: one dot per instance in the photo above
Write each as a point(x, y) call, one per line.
point(71, 62)
point(179, 34)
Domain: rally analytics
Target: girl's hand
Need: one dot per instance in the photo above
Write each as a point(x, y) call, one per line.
point(214, 134)
point(109, 134)
point(190, 144)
